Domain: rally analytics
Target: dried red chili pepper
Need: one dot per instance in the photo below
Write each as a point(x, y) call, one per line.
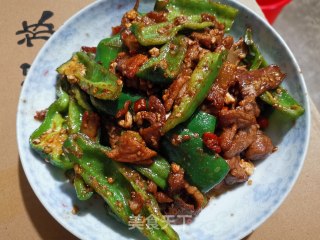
point(89, 49)
point(211, 141)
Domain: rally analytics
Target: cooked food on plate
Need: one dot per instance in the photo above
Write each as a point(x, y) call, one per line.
point(167, 109)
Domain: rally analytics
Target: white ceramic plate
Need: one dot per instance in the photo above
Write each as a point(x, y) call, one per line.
point(234, 214)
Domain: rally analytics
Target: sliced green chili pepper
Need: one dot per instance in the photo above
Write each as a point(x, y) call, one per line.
point(74, 116)
point(278, 98)
point(165, 67)
point(96, 169)
point(47, 140)
point(74, 121)
point(151, 204)
point(224, 14)
point(161, 33)
point(184, 146)
point(111, 107)
point(254, 57)
point(62, 88)
point(191, 11)
point(82, 190)
point(108, 49)
point(91, 77)
point(202, 122)
point(281, 100)
point(198, 87)
point(115, 182)
point(81, 97)
point(158, 171)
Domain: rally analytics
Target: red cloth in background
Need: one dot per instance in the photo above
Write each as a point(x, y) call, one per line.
point(272, 8)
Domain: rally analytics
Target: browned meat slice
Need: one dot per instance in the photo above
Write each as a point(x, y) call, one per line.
point(205, 39)
point(180, 211)
point(241, 141)
point(156, 117)
point(114, 133)
point(175, 180)
point(136, 203)
point(211, 18)
point(171, 93)
point(131, 148)
point(153, 17)
point(130, 41)
point(157, 16)
point(236, 116)
point(219, 89)
point(187, 199)
point(162, 198)
point(227, 42)
point(240, 170)
point(227, 137)
point(156, 106)
point(177, 89)
point(196, 195)
point(210, 39)
point(250, 106)
point(152, 187)
point(260, 148)
point(237, 52)
point(255, 82)
point(192, 54)
point(40, 115)
point(90, 124)
point(150, 134)
point(129, 66)
point(218, 36)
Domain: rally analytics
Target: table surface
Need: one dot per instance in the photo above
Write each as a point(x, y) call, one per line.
point(22, 215)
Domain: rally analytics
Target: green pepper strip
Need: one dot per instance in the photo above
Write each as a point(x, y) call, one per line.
point(151, 204)
point(112, 107)
point(198, 87)
point(108, 49)
point(158, 171)
point(202, 168)
point(161, 33)
point(74, 120)
point(91, 77)
point(74, 116)
point(47, 140)
point(224, 14)
point(96, 169)
point(77, 105)
point(282, 101)
point(165, 67)
point(81, 98)
point(278, 98)
point(254, 56)
point(82, 190)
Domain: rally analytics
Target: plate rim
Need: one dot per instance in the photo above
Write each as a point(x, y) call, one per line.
point(233, 2)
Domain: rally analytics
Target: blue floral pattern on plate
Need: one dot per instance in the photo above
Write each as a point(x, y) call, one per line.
point(232, 215)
